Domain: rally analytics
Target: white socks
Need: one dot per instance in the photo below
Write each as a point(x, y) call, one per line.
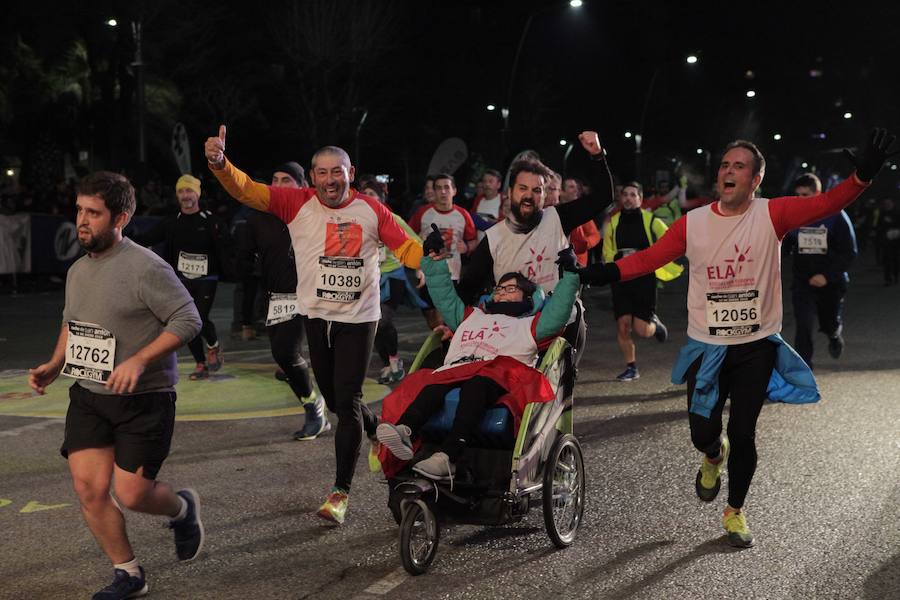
point(132, 567)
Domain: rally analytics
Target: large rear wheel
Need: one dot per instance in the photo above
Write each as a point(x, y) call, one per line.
point(419, 537)
point(563, 490)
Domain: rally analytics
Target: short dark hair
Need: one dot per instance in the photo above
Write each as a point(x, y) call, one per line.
point(759, 162)
point(114, 189)
point(430, 177)
point(809, 180)
point(528, 166)
point(527, 286)
point(376, 186)
point(445, 176)
point(493, 172)
point(635, 185)
point(578, 182)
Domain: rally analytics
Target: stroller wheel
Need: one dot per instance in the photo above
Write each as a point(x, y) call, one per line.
point(563, 491)
point(419, 537)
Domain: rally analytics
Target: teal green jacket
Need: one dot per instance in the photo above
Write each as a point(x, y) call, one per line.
point(553, 315)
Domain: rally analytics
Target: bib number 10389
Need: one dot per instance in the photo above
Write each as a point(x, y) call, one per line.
point(733, 314)
point(90, 352)
point(340, 278)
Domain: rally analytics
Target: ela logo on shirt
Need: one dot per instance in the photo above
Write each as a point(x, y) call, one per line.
point(732, 267)
point(533, 267)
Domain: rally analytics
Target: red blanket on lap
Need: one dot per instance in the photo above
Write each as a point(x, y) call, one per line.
point(529, 385)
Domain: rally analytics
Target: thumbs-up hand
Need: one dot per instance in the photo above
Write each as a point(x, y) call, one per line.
point(215, 149)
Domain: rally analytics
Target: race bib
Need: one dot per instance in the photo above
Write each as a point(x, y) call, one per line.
point(90, 352)
point(340, 278)
point(382, 254)
point(733, 314)
point(282, 307)
point(812, 240)
point(193, 266)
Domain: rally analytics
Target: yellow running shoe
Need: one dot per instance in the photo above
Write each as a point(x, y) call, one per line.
point(736, 526)
point(335, 506)
point(709, 476)
point(374, 461)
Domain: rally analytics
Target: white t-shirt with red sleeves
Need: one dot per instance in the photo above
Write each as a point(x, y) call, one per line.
point(336, 251)
point(455, 225)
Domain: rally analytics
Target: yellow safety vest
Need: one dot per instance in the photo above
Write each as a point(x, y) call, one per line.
point(666, 272)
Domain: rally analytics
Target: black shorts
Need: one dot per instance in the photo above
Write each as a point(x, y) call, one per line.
point(138, 427)
point(636, 297)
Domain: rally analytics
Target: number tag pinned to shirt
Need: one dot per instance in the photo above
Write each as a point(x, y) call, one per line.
point(282, 308)
point(812, 240)
point(90, 352)
point(340, 278)
point(193, 266)
point(733, 314)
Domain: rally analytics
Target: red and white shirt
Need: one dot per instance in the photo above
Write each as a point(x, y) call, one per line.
point(482, 336)
point(735, 261)
point(455, 225)
point(532, 254)
point(336, 251)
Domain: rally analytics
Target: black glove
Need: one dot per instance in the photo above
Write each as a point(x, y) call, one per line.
point(872, 156)
point(600, 274)
point(434, 242)
point(567, 261)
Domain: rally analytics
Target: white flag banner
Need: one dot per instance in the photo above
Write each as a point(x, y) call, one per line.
point(15, 244)
point(181, 148)
point(449, 156)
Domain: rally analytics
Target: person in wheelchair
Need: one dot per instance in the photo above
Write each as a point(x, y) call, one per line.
point(491, 360)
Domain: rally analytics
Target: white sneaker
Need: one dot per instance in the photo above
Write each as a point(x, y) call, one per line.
point(437, 466)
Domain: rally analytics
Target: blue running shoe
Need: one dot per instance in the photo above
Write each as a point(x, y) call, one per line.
point(315, 425)
point(629, 374)
point(189, 534)
point(124, 586)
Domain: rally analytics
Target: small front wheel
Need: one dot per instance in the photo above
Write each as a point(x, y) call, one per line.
point(563, 490)
point(419, 537)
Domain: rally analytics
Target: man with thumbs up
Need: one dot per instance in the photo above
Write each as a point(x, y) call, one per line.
point(335, 232)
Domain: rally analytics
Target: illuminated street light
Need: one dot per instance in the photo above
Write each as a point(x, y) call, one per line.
point(627, 135)
point(751, 93)
point(575, 3)
point(699, 150)
point(563, 142)
point(10, 172)
point(848, 115)
point(691, 59)
point(893, 167)
point(804, 165)
point(776, 137)
point(112, 22)
point(491, 107)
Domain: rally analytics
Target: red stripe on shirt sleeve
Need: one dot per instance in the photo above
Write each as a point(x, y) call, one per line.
point(285, 203)
point(416, 222)
point(791, 212)
point(469, 232)
point(389, 231)
point(670, 246)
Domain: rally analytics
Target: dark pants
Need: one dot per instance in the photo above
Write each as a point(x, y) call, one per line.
point(826, 303)
point(386, 339)
point(339, 353)
point(203, 291)
point(891, 260)
point(286, 341)
point(744, 377)
point(476, 395)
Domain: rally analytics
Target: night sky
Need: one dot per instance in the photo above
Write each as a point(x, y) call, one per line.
point(289, 77)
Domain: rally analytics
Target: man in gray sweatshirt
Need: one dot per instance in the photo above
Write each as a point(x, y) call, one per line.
point(125, 315)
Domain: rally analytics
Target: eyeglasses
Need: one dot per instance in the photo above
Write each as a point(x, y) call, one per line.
point(509, 289)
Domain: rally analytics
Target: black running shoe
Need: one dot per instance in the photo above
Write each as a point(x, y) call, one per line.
point(836, 346)
point(189, 534)
point(124, 586)
point(662, 333)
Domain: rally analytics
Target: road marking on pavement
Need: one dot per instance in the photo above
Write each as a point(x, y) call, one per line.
point(4, 502)
point(385, 584)
point(35, 506)
point(30, 427)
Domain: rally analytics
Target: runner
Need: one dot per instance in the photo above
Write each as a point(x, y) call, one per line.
point(266, 236)
point(125, 315)
point(823, 251)
point(335, 233)
point(735, 311)
point(528, 239)
point(195, 246)
point(634, 302)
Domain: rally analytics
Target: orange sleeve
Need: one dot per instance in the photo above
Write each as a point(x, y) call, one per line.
point(243, 189)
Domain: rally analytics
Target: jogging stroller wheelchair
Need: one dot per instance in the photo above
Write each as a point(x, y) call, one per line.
point(503, 473)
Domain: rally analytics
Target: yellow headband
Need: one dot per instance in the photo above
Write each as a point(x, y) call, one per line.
point(188, 182)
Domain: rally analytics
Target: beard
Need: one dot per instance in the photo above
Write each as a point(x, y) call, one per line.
point(98, 242)
point(522, 223)
point(322, 193)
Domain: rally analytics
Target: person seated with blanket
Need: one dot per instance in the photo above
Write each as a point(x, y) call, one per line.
point(491, 360)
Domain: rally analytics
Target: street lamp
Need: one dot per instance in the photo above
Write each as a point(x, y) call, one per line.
point(692, 59)
point(627, 135)
point(848, 115)
point(563, 142)
point(112, 22)
point(515, 66)
point(491, 107)
point(777, 137)
point(751, 93)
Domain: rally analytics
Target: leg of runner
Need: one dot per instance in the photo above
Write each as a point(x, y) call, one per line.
point(804, 316)
point(831, 315)
point(204, 293)
point(626, 345)
point(286, 342)
point(351, 345)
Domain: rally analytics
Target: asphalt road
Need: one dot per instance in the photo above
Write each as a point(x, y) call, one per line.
point(824, 506)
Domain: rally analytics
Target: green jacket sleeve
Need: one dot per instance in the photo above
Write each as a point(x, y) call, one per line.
point(558, 307)
point(443, 294)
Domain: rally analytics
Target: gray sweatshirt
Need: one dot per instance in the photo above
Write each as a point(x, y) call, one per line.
point(134, 294)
